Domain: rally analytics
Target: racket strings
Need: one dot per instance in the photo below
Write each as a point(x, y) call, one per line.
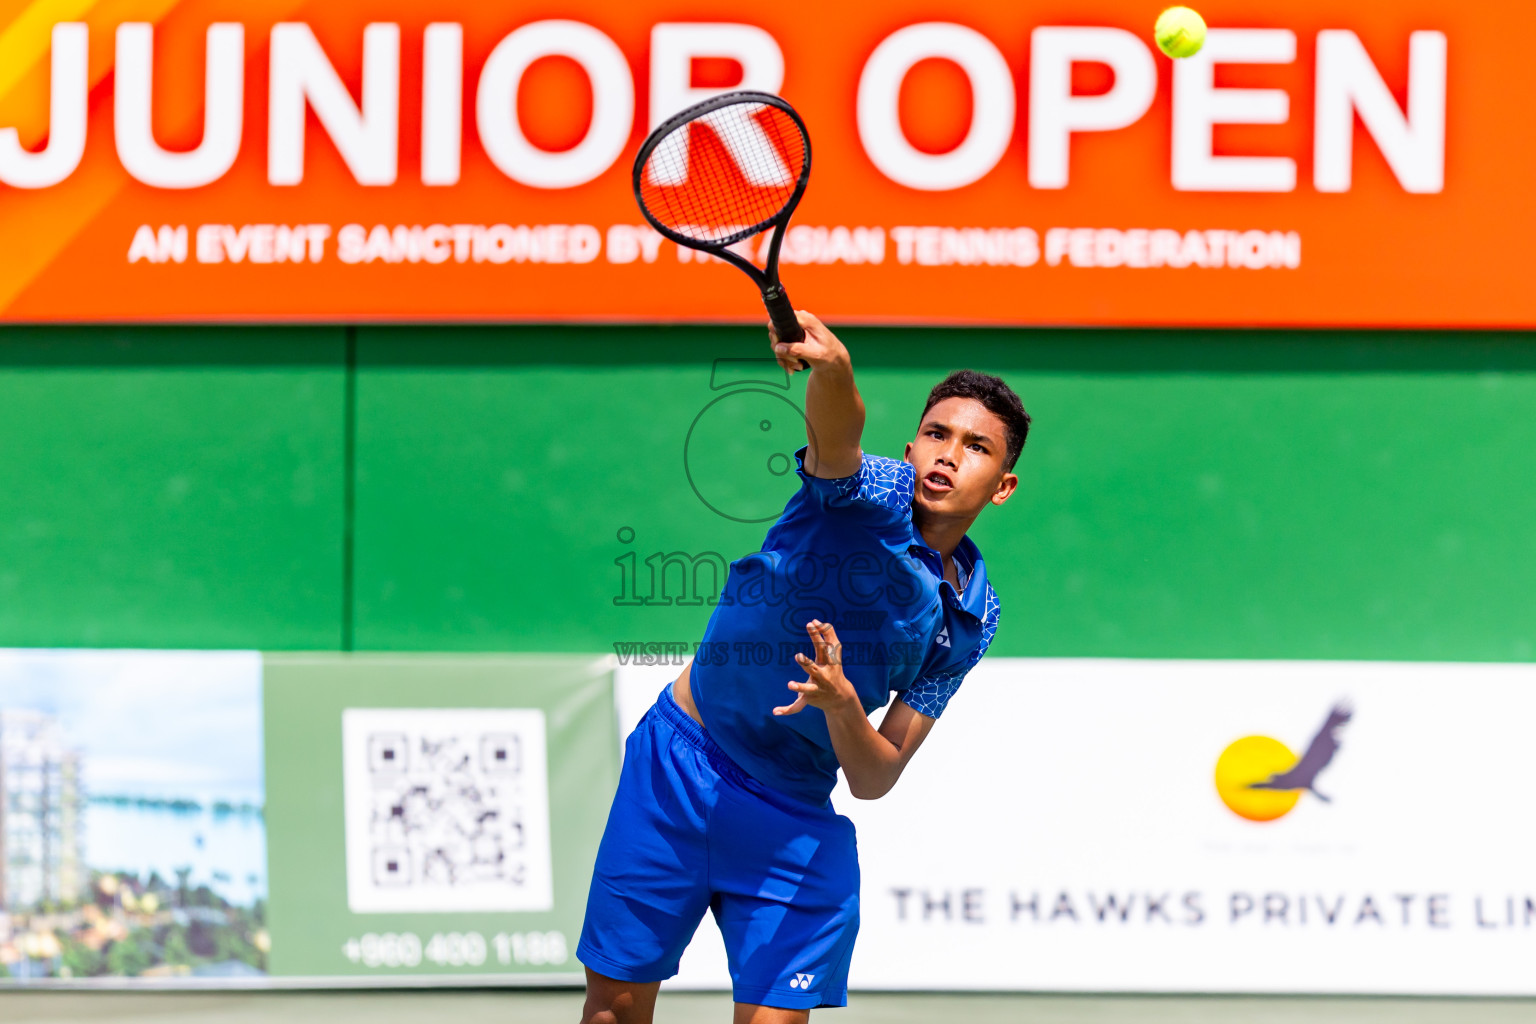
point(724, 176)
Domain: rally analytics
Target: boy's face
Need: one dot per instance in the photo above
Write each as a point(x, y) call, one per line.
point(959, 453)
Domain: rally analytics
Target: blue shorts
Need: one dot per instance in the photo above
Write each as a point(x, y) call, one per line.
point(689, 832)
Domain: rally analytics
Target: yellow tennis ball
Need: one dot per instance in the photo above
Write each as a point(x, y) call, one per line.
point(1180, 32)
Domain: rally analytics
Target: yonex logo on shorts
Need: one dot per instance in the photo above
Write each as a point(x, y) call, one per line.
point(802, 981)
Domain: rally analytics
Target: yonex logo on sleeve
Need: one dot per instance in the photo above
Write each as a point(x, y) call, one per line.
point(802, 981)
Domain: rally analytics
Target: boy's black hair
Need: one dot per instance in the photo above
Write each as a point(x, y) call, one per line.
point(991, 392)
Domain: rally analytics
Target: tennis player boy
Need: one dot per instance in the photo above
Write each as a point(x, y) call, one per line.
point(866, 586)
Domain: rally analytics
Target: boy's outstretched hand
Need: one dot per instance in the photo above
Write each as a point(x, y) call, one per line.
point(819, 347)
point(826, 688)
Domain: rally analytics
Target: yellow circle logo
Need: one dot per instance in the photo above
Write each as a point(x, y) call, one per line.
point(1255, 759)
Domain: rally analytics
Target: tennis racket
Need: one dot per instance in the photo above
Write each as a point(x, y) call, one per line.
point(741, 175)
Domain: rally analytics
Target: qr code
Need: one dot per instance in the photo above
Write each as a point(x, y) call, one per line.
point(446, 809)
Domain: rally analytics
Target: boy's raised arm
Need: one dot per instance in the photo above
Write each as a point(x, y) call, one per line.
point(834, 412)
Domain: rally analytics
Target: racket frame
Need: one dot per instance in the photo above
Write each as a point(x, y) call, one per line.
point(767, 278)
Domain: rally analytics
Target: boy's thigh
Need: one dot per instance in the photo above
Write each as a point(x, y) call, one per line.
point(649, 886)
point(610, 1001)
point(752, 1013)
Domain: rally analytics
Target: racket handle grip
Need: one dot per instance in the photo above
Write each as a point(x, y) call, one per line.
point(783, 316)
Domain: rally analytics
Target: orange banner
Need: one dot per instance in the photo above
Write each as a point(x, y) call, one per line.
point(1318, 163)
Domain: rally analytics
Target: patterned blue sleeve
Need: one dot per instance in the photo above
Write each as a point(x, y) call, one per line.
point(883, 486)
point(930, 694)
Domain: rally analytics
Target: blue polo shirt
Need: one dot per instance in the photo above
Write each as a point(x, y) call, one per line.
point(844, 551)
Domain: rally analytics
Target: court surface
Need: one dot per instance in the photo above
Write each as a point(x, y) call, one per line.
point(513, 1007)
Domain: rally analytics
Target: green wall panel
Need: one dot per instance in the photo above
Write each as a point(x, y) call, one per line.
point(172, 487)
point(495, 469)
point(1222, 494)
point(1230, 494)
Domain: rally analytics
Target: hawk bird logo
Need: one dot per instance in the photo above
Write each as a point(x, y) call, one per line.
point(1318, 756)
point(1260, 779)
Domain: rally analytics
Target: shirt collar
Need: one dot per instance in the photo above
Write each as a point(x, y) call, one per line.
point(974, 598)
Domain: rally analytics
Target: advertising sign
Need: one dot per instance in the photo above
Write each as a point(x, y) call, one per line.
point(228, 818)
point(132, 826)
point(1318, 163)
point(231, 818)
point(434, 815)
point(1202, 826)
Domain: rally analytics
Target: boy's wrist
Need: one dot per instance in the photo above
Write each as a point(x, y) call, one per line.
point(837, 363)
point(846, 706)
